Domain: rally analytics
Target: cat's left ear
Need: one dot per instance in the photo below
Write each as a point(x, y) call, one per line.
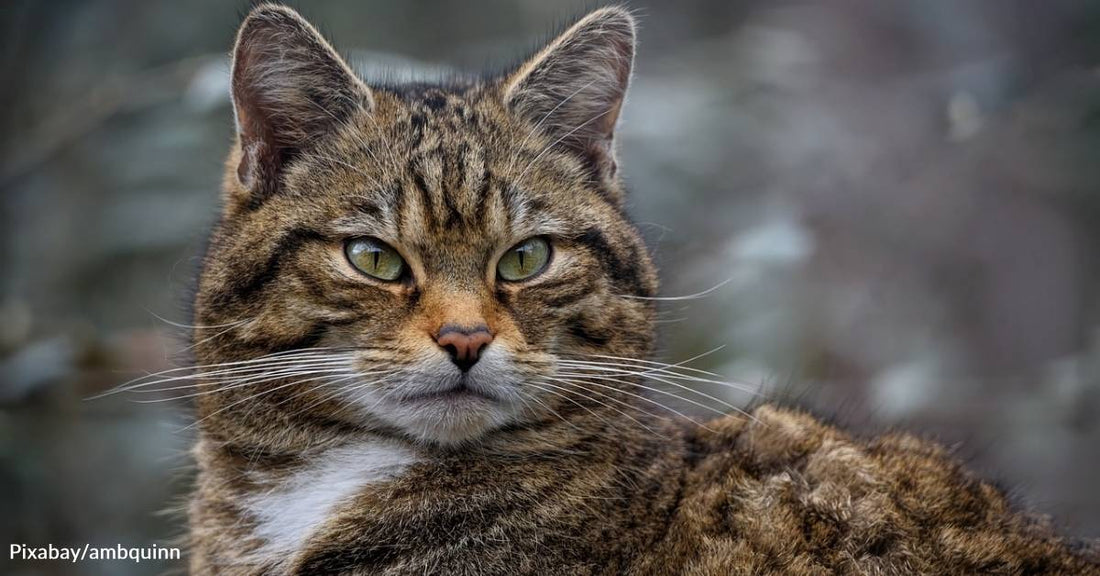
point(573, 89)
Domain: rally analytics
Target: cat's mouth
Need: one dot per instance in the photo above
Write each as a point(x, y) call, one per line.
point(436, 402)
point(461, 391)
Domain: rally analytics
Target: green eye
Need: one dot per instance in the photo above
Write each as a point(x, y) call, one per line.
point(524, 260)
point(374, 258)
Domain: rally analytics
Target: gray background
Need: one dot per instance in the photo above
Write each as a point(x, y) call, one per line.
point(896, 199)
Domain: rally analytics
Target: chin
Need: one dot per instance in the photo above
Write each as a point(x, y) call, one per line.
point(449, 419)
point(446, 413)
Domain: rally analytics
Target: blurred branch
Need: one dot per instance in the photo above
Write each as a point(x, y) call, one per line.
point(114, 96)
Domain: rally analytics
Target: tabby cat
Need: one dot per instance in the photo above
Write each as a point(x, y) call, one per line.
point(423, 323)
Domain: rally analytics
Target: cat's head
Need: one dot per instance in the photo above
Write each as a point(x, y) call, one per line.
point(421, 258)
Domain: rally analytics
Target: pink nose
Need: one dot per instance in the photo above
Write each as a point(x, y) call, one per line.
point(464, 344)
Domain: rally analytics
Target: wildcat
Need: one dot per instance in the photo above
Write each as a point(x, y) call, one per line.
point(423, 324)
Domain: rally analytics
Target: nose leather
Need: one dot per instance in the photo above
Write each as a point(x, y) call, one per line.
point(464, 344)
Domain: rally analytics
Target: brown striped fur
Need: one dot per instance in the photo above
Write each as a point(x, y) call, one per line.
point(574, 481)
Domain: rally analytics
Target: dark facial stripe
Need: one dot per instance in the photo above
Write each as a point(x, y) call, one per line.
point(343, 295)
point(563, 291)
point(567, 298)
point(255, 279)
point(268, 342)
point(624, 273)
point(586, 333)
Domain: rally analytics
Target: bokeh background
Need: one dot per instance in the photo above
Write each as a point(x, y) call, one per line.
point(895, 203)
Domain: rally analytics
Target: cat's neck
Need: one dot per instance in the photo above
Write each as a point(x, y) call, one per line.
point(613, 482)
point(606, 477)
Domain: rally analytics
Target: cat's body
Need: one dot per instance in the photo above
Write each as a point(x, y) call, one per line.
point(468, 397)
point(781, 494)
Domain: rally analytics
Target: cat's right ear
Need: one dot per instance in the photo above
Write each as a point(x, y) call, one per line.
point(289, 88)
point(573, 89)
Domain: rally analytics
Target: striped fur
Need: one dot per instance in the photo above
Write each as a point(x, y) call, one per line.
point(327, 463)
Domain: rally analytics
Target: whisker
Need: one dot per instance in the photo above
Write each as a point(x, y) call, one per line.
point(694, 296)
point(230, 372)
point(623, 369)
point(644, 398)
point(254, 381)
point(718, 401)
point(227, 374)
point(196, 327)
point(581, 384)
point(609, 397)
point(259, 379)
point(246, 399)
point(681, 364)
point(305, 352)
point(552, 411)
point(662, 368)
point(337, 391)
point(209, 338)
point(555, 412)
point(260, 361)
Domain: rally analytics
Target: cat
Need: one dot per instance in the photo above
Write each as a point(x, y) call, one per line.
point(423, 325)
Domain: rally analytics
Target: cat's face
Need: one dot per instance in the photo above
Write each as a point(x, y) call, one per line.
point(422, 259)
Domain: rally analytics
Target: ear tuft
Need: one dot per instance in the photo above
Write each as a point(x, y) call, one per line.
point(289, 88)
point(573, 89)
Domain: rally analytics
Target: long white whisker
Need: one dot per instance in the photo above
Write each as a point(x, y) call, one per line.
point(254, 381)
point(248, 398)
point(609, 397)
point(263, 378)
point(304, 352)
point(232, 372)
point(551, 410)
point(624, 370)
point(226, 374)
point(681, 364)
point(694, 296)
point(560, 417)
point(240, 363)
point(196, 327)
point(338, 390)
point(579, 382)
point(719, 401)
point(209, 338)
point(643, 368)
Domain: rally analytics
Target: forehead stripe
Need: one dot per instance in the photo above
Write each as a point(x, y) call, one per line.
point(427, 203)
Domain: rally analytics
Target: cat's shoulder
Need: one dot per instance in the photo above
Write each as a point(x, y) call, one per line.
point(779, 489)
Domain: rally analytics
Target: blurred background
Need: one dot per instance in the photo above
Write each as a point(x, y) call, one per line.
point(895, 203)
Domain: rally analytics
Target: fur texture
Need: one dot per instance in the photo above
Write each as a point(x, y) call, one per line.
point(337, 437)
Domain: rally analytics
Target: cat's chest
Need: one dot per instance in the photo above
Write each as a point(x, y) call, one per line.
point(291, 509)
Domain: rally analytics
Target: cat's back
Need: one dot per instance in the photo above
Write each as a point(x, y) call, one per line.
point(783, 493)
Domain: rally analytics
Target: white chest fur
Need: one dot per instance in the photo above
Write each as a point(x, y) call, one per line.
point(298, 505)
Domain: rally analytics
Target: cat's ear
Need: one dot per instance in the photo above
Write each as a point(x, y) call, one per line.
point(573, 88)
point(289, 88)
